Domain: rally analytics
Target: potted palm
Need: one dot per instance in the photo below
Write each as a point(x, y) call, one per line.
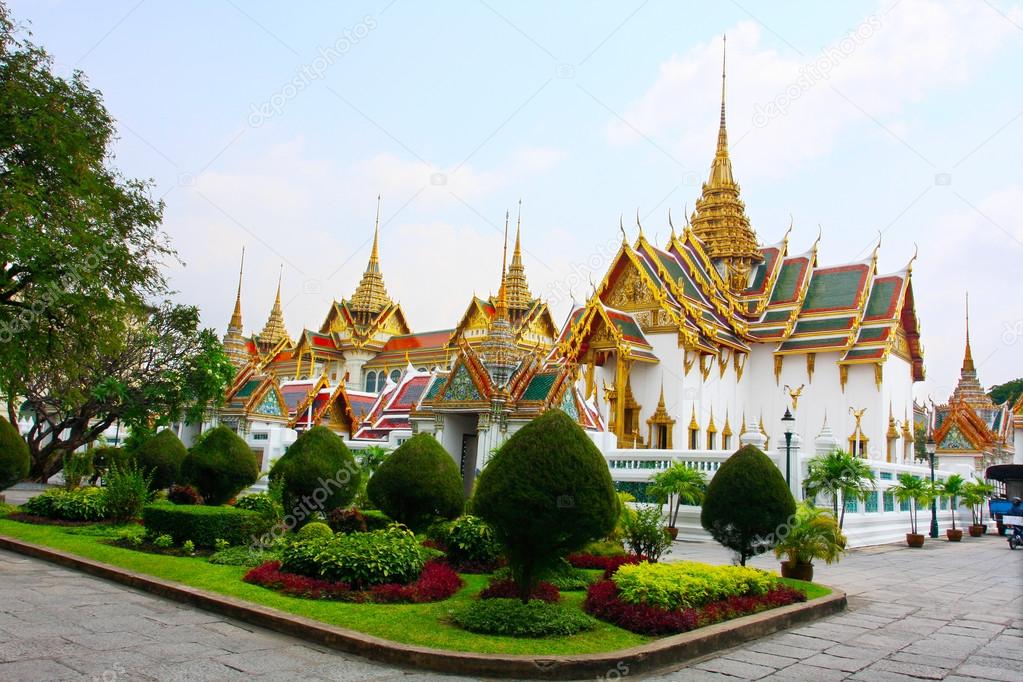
point(841, 476)
point(974, 496)
point(677, 485)
point(916, 491)
point(814, 535)
point(952, 488)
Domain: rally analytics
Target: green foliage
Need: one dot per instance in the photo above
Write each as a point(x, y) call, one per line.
point(132, 536)
point(376, 519)
point(975, 495)
point(204, 525)
point(914, 490)
point(1008, 392)
point(220, 466)
point(317, 473)
point(606, 548)
point(83, 504)
point(263, 504)
point(952, 488)
point(105, 457)
point(547, 492)
point(220, 544)
point(645, 534)
point(162, 455)
point(316, 529)
point(359, 559)
point(470, 539)
point(417, 483)
point(127, 491)
point(243, 556)
point(746, 503)
point(842, 477)
point(163, 541)
point(188, 547)
point(562, 575)
point(14, 459)
point(514, 618)
point(678, 485)
point(688, 584)
point(77, 466)
point(814, 534)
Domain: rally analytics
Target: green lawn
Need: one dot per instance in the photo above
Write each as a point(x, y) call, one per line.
point(419, 624)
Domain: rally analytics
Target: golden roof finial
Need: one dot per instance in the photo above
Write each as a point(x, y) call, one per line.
point(722, 149)
point(274, 330)
point(639, 224)
point(621, 226)
point(968, 358)
point(672, 225)
point(236, 317)
point(371, 294)
point(519, 296)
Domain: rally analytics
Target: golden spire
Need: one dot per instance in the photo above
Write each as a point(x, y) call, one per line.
point(274, 330)
point(236, 317)
point(720, 220)
point(370, 296)
point(518, 293)
point(969, 388)
point(502, 293)
point(234, 342)
point(968, 358)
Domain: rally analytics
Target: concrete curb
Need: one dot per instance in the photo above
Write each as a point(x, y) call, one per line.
point(661, 653)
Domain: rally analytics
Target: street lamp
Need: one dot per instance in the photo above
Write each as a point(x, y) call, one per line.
point(931, 448)
point(788, 420)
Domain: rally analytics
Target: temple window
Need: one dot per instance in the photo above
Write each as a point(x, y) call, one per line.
point(711, 440)
point(395, 375)
point(726, 441)
point(371, 382)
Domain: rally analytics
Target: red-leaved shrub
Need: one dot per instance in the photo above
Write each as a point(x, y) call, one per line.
point(183, 494)
point(436, 581)
point(270, 575)
point(506, 589)
point(608, 564)
point(602, 602)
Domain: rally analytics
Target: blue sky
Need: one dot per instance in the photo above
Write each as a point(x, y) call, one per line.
point(275, 126)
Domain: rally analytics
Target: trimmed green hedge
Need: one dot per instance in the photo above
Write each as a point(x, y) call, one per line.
point(81, 504)
point(417, 483)
point(162, 455)
point(204, 525)
point(316, 473)
point(359, 559)
point(512, 618)
point(220, 466)
point(14, 459)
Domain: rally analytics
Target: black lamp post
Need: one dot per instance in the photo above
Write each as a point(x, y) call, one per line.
point(788, 420)
point(931, 448)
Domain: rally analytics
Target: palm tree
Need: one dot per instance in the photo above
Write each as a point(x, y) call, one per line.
point(842, 476)
point(914, 490)
point(953, 487)
point(684, 484)
point(974, 494)
point(814, 535)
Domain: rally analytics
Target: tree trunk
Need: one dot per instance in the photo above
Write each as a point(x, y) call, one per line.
point(526, 581)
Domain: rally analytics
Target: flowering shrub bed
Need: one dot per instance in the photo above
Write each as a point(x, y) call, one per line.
point(688, 584)
point(378, 557)
point(608, 564)
point(436, 581)
point(604, 601)
point(506, 589)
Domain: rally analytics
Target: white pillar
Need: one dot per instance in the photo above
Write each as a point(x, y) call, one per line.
point(751, 436)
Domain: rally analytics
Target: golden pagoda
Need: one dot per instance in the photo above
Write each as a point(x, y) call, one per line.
point(235, 345)
point(517, 290)
point(499, 352)
point(370, 296)
point(274, 330)
point(969, 389)
point(720, 220)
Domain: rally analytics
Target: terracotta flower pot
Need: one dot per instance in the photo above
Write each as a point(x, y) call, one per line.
point(954, 535)
point(914, 539)
point(672, 531)
point(797, 571)
point(976, 531)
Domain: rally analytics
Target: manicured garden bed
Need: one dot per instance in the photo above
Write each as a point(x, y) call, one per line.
point(422, 624)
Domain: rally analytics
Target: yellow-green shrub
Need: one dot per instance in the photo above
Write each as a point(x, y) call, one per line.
point(688, 584)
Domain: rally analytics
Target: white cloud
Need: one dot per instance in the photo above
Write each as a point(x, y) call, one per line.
point(785, 109)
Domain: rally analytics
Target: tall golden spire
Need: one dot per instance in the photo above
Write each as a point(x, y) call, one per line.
point(236, 317)
point(370, 296)
point(518, 293)
point(968, 358)
point(502, 292)
point(274, 329)
point(969, 388)
point(498, 350)
point(720, 220)
point(234, 341)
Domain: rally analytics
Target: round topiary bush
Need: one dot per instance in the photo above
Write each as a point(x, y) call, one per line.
point(14, 459)
point(418, 483)
point(547, 492)
point(220, 466)
point(316, 474)
point(162, 455)
point(746, 502)
point(316, 529)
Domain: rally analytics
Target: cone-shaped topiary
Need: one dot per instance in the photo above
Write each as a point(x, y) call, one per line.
point(417, 483)
point(220, 466)
point(162, 456)
point(547, 492)
point(746, 503)
point(317, 473)
point(14, 459)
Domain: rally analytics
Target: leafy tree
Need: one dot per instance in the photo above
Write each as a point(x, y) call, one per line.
point(842, 476)
point(920, 441)
point(81, 252)
point(317, 473)
point(681, 484)
point(418, 483)
point(914, 490)
point(547, 492)
point(975, 495)
point(13, 455)
point(153, 366)
point(746, 503)
point(953, 488)
point(1007, 392)
point(220, 466)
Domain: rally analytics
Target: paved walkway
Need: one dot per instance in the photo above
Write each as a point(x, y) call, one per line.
point(945, 612)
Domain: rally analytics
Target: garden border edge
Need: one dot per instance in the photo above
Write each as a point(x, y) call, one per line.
point(661, 653)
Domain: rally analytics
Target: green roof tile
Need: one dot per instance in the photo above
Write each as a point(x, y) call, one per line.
point(539, 386)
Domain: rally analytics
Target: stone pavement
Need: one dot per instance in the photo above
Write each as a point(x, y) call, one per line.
point(947, 611)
